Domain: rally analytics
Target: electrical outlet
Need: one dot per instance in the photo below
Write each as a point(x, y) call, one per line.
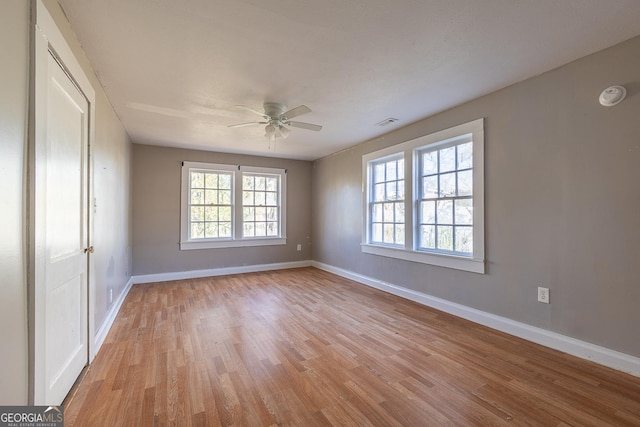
point(110, 296)
point(543, 295)
point(299, 246)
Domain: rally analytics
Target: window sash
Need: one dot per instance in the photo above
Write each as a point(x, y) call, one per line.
point(442, 225)
point(387, 201)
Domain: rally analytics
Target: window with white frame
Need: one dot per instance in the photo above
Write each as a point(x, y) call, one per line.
point(438, 217)
point(387, 204)
point(229, 205)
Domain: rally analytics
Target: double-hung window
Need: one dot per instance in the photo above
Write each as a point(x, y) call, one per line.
point(387, 204)
point(230, 205)
point(424, 199)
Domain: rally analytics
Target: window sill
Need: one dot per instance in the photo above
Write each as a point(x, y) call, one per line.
point(441, 260)
point(213, 244)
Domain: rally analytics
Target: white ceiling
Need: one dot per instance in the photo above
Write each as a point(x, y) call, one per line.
point(174, 70)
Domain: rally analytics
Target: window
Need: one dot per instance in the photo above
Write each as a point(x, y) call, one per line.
point(445, 202)
point(437, 217)
point(228, 205)
point(387, 206)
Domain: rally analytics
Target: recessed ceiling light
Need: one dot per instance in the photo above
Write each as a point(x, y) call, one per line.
point(386, 122)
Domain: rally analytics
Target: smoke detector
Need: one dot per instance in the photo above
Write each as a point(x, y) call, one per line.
point(612, 95)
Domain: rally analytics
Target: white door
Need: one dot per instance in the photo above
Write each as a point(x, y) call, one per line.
point(61, 344)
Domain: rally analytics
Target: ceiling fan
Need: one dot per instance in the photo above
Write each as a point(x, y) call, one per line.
point(277, 119)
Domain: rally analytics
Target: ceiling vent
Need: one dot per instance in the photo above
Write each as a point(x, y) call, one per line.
point(386, 122)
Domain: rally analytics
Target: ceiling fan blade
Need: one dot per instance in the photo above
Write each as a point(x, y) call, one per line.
point(295, 112)
point(282, 132)
point(239, 125)
point(252, 110)
point(302, 125)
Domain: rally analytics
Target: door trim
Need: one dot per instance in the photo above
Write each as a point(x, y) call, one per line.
point(46, 37)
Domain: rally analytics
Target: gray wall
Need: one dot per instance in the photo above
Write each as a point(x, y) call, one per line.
point(156, 213)
point(111, 153)
point(14, 85)
point(111, 188)
point(562, 194)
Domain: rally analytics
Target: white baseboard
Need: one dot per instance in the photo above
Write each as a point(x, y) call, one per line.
point(102, 332)
point(196, 274)
point(584, 350)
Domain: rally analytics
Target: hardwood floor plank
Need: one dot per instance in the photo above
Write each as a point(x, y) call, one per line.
point(307, 348)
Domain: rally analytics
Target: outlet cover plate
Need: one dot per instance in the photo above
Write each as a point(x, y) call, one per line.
point(543, 295)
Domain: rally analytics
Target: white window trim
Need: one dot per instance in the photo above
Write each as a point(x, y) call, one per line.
point(408, 149)
point(236, 240)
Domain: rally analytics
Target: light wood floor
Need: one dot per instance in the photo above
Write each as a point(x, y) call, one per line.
point(306, 348)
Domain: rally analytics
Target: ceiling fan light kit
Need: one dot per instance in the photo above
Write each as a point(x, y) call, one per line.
point(277, 119)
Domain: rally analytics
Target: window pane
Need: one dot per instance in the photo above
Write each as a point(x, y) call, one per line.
point(197, 180)
point(224, 197)
point(399, 212)
point(401, 190)
point(447, 159)
point(211, 180)
point(249, 229)
point(430, 186)
point(210, 197)
point(428, 236)
point(261, 183)
point(197, 230)
point(430, 163)
point(197, 197)
point(376, 232)
point(447, 184)
point(464, 239)
point(400, 234)
point(272, 228)
point(389, 234)
point(464, 211)
point(378, 173)
point(224, 181)
point(197, 213)
point(378, 193)
point(260, 199)
point(445, 237)
point(465, 183)
point(401, 169)
point(272, 214)
point(247, 182)
point(272, 199)
point(376, 215)
point(224, 229)
point(248, 214)
point(445, 211)
point(428, 210)
point(272, 184)
point(210, 213)
point(261, 214)
point(247, 198)
point(261, 229)
point(211, 229)
point(392, 194)
point(465, 159)
point(388, 212)
point(391, 171)
point(224, 213)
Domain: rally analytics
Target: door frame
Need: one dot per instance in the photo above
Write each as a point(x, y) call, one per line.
point(46, 37)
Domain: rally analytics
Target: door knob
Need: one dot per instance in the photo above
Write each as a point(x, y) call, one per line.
point(89, 250)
